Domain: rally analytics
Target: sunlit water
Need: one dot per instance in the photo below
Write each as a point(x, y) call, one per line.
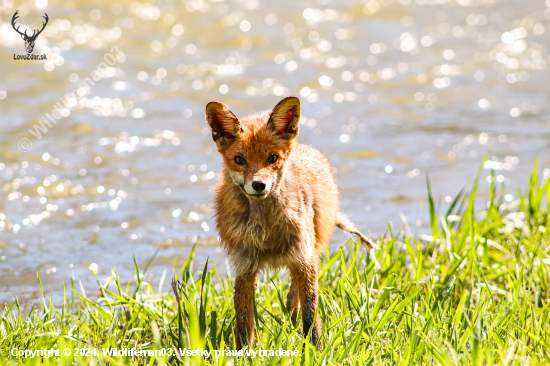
point(391, 91)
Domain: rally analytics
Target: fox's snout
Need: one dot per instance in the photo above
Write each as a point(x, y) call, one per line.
point(258, 187)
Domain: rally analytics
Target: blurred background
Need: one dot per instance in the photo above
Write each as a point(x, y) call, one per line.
point(391, 91)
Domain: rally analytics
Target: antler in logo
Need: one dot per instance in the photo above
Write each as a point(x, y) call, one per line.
point(29, 40)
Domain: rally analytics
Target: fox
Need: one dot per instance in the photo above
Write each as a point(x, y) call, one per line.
point(276, 206)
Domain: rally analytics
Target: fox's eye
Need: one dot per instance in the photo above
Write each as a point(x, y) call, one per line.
point(272, 159)
point(239, 160)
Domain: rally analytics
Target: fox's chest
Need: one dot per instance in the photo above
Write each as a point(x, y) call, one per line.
point(267, 226)
point(263, 225)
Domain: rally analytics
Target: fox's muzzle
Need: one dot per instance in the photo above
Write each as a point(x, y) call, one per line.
point(258, 188)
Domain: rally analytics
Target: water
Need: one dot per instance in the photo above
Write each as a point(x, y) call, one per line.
point(391, 91)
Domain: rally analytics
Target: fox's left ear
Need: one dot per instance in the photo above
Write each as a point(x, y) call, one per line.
point(285, 118)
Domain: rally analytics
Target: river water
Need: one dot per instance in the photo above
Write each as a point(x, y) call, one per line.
point(391, 91)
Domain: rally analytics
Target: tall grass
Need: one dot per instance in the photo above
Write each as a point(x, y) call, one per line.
point(475, 291)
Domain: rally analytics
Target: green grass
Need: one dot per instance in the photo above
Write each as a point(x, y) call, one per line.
point(475, 291)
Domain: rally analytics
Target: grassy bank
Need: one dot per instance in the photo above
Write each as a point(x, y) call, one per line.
point(475, 291)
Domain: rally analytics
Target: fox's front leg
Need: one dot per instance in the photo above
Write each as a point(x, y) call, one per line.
point(306, 277)
point(244, 308)
point(293, 299)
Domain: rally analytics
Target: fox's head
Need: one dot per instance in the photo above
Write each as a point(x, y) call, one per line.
point(255, 148)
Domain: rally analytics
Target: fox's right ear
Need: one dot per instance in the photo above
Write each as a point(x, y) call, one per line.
point(224, 123)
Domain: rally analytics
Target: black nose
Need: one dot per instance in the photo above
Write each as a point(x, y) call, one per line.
point(258, 186)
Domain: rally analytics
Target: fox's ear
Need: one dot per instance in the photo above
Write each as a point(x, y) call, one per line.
point(224, 123)
point(285, 118)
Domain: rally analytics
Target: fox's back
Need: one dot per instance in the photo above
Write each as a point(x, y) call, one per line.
point(309, 180)
point(312, 166)
point(310, 177)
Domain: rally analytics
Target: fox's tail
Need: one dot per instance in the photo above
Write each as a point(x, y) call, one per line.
point(345, 224)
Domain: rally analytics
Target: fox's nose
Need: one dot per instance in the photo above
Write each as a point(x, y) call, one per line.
point(258, 186)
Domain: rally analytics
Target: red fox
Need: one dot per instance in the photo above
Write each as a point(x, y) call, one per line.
point(276, 205)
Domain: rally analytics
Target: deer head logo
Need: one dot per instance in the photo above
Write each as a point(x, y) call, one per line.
point(29, 40)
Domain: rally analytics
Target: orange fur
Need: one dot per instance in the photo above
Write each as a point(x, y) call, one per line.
point(288, 223)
